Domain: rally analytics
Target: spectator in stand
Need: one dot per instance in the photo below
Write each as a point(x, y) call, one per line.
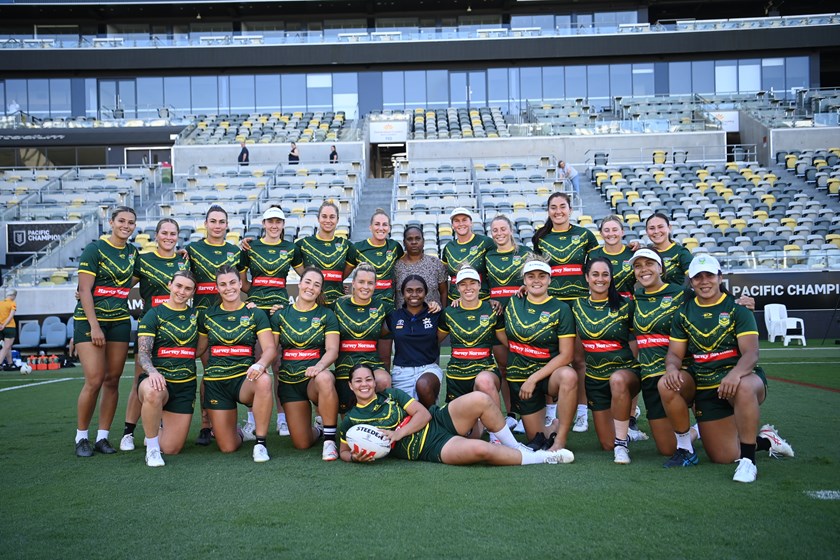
point(568, 173)
point(244, 156)
point(333, 154)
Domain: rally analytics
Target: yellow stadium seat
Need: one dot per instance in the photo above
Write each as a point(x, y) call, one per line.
point(690, 243)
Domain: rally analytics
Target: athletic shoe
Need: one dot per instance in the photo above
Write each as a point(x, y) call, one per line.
point(682, 458)
point(260, 453)
point(204, 437)
point(548, 421)
point(519, 428)
point(638, 412)
point(330, 452)
point(248, 432)
point(636, 435)
point(104, 446)
point(746, 471)
point(83, 448)
point(511, 422)
point(549, 441)
point(778, 446)
point(559, 457)
point(537, 443)
point(282, 429)
point(154, 458)
point(319, 423)
point(621, 455)
point(127, 442)
point(581, 423)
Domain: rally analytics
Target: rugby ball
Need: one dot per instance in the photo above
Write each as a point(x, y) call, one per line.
point(25, 369)
point(367, 439)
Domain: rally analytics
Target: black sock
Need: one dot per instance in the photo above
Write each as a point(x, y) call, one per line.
point(748, 451)
point(620, 442)
point(329, 433)
point(129, 429)
point(762, 444)
point(260, 440)
point(512, 415)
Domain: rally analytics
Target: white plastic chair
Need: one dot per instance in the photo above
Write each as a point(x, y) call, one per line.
point(778, 324)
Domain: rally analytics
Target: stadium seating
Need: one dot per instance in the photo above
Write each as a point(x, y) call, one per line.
point(265, 128)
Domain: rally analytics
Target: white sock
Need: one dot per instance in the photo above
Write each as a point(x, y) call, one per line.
point(281, 417)
point(510, 421)
point(621, 428)
point(696, 428)
point(494, 439)
point(80, 435)
point(250, 416)
point(506, 437)
point(684, 441)
point(532, 458)
point(550, 412)
point(581, 410)
point(153, 443)
point(101, 434)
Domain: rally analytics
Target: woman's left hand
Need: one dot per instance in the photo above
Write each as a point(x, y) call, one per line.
point(729, 385)
point(496, 307)
point(313, 371)
point(434, 307)
point(526, 391)
point(254, 372)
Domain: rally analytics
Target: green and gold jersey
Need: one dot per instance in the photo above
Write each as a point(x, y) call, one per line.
point(622, 273)
point(269, 265)
point(472, 252)
point(675, 261)
point(176, 337)
point(534, 331)
point(155, 272)
point(712, 333)
point(303, 336)
point(205, 260)
point(389, 411)
point(383, 259)
point(231, 338)
point(652, 323)
point(504, 272)
point(472, 334)
point(330, 257)
point(360, 327)
point(605, 335)
point(567, 252)
point(113, 270)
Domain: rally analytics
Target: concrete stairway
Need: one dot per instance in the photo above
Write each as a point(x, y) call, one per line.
point(376, 193)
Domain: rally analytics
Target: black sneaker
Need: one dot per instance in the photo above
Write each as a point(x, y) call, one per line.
point(549, 441)
point(633, 424)
point(537, 443)
point(104, 446)
point(204, 437)
point(83, 448)
point(682, 458)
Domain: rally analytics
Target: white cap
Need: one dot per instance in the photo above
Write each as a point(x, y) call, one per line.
point(703, 263)
point(460, 211)
point(535, 265)
point(467, 274)
point(646, 254)
point(274, 212)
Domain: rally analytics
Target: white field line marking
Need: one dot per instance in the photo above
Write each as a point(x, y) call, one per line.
point(802, 363)
point(39, 383)
point(823, 494)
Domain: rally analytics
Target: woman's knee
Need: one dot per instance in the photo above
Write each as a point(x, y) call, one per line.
point(485, 383)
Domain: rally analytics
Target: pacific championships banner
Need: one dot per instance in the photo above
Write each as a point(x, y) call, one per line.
point(31, 237)
point(796, 290)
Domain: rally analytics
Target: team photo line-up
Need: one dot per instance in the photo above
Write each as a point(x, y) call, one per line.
point(545, 334)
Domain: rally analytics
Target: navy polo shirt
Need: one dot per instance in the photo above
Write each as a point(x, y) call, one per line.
point(415, 337)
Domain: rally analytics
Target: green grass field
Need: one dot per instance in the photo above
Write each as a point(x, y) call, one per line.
point(203, 504)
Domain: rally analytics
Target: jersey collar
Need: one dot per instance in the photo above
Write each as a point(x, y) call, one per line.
point(720, 299)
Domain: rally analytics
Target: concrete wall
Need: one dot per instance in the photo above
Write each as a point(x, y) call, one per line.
point(755, 132)
point(803, 139)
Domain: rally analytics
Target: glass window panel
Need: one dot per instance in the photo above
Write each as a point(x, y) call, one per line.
point(3, 94)
point(415, 89)
point(8, 157)
point(726, 76)
point(530, 85)
point(319, 92)
point(437, 89)
point(773, 74)
point(497, 83)
point(679, 77)
point(393, 91)
point(643, 82)
point(127, 97)
point(575, 82)
point(703, 76)
point(545, 21)
point(223, 94)
point(554, 87)
point(267, 89)
point(563, 24)
point(478, 89)
point(293, 92)
point(91, 155)
point(242, 94)
point(39, 97)
point(150, 94)
point(598, 85)
point(62, 157)
point(749, 76)
point(797, 72)
point(621, 80)
point(458, 89)
point(205, 97)
point(60, 97)
point(91, 99)
point(16, 92)
point(345, 82)
point(176, 92)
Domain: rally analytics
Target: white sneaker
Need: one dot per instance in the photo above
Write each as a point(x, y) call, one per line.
point(127, 443)
point(282, 429)
point(746, 471)
point(778, 446)
point(248, 432)
point(330, 452)
point(319, 423)
point(581, 423)
point(638, 412)
point(637, 435)
point(621, 455)
point(559, 457)
point(519, 428)
point(260, 453)
point(154, 458)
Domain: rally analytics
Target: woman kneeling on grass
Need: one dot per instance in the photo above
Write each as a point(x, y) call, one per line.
point(230, 331)
point(437, 435)
point(167, 337)
point(722, 380)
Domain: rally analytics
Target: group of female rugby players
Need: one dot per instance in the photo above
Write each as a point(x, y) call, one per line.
point(557, 331)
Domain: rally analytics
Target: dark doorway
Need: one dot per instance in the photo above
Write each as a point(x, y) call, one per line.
point(381, 166)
